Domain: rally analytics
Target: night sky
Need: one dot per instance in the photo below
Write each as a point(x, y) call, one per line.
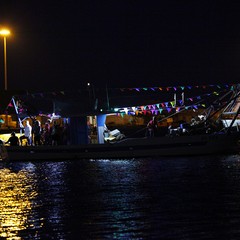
point(62, 45)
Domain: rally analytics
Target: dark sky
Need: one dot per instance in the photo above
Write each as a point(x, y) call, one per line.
point(58, 45)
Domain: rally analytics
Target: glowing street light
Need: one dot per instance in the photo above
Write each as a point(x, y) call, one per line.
point(5, 33)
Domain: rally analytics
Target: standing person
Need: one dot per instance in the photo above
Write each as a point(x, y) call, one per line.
point(37, 133)
point(55, 134)
point(13, 140)
point(47, 133)
point(66, 134)
point(27, 134)
point(151, 128)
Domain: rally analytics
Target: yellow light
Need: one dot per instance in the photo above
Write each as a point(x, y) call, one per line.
point(4, 32)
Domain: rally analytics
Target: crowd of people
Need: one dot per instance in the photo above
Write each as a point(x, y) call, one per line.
point(51, 133)
point(197, 125)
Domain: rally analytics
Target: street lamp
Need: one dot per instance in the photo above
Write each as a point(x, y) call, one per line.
point(5, 33)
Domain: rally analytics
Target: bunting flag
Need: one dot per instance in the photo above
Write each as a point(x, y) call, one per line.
point(179, 88)
point(10, 104)
point(158, 108)
point(172, 103)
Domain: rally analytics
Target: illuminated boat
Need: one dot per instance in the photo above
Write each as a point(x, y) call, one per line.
point(221, 141)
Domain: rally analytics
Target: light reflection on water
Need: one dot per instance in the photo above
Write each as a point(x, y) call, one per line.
point(17, 192)
point(174, 198)
point(31, 200)
point(120, 210)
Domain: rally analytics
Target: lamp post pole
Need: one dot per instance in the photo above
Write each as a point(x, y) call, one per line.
point(5, 62)
point(4, 33)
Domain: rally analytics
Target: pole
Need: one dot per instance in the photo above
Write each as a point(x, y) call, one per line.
point(5, 62)
point(182, 98)
point(107, 97)
point(16, 110)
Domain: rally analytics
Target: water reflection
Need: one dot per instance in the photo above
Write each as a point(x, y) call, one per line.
point(113, 199)
point(176, 198)
point(17, 190)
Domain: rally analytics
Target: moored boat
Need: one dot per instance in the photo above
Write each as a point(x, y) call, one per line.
point(216, 143)
point(206, 135)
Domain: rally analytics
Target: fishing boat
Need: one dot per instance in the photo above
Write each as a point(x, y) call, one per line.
point(196, 139)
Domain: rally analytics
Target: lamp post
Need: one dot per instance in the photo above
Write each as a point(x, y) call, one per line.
point(5, 33)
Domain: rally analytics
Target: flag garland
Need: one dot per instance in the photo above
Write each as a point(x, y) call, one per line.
point(170, 106)
point(178, 88)
point(143, 89)
point(157, 108)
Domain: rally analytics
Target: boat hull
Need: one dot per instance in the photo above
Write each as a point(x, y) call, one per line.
point(133, 148)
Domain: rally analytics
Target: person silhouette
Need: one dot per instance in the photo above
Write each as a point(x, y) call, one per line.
point(27, 134)
point(13, 140)
point(151, 127)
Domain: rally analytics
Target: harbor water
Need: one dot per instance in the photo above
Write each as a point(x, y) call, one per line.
point(152, 198)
